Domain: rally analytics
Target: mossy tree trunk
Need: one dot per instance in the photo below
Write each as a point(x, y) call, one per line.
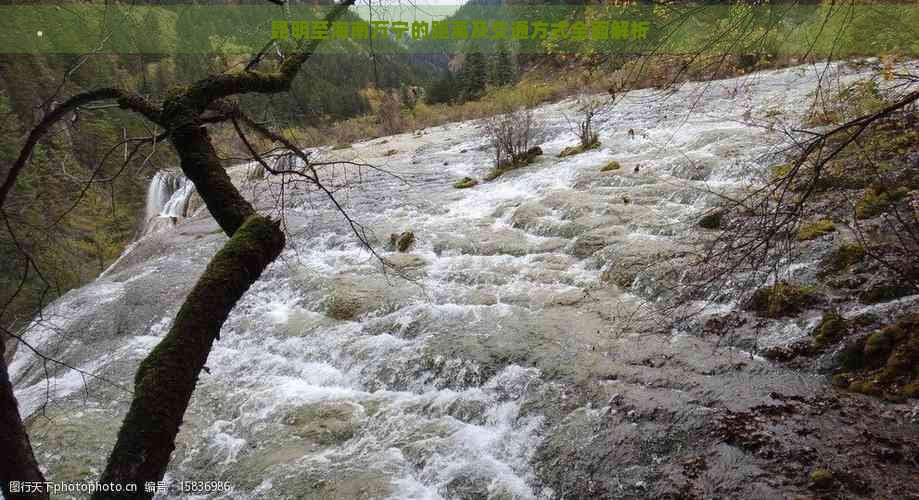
point(17, 463)
point(166, 379)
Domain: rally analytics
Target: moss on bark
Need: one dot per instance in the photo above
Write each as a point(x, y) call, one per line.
point(166, 379)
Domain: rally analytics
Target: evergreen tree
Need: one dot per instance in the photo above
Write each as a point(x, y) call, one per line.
point(504, 72)
point(473, 77)
point(443, 90)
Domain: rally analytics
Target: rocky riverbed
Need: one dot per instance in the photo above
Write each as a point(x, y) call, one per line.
point(512, 350)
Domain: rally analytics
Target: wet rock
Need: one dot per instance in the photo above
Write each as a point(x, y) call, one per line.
point(324, 423)
point(402, 242)
point(528, 214)
point(405, 261)
point(589, 243)
point(349, 297)
point(79, 439)
point(782, 299)
point(194, 203)
point(468, 485)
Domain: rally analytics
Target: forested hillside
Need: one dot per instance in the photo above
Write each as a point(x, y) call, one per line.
point(72, 242)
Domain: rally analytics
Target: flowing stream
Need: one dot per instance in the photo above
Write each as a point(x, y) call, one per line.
point(442, 377)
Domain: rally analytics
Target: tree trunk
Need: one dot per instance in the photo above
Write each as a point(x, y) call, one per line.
point(17, 463)
point(166, 379)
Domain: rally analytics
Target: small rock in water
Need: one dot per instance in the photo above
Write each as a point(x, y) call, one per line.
point(402, 242)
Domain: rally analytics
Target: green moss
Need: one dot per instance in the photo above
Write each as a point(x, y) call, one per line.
point(391, 152)
point(816, 229)
point(911, 390)
point(611, 166)
point(580, 148)
point(338, 147)
point(878, 200)
point(883, 293)
point(886, 362)
point(521, 160)
point(402, 242)
point(782, 170)
point(711, 221)
point(465, 182)
point(843, 257)
point(822, 479)
point(782, 299)
point(831, 329)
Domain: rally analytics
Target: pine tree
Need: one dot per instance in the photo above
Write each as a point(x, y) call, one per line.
point(504, 72)
point(473, 77)
point(443, 90)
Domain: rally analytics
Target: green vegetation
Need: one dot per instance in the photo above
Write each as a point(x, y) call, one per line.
point(465, 182)
point(402, 242)
point(843, 257)
point(576, 150)
point(883, 292)
point(886, 362)
point(514, 164)
point(878, 200)
point(822, 479)
point(831, 329)
point(611, 166)
point(815, 230)
point(711, 221)
point(782, 299)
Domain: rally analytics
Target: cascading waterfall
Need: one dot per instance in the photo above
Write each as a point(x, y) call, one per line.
point(167, 196)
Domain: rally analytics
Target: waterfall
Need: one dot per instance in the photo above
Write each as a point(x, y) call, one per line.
point(167, 196)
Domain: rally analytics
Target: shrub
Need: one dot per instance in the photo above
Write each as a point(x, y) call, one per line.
point(815, 230)
point(515, 163)
point(711, 221)
point(510, 135)
point(389, 114)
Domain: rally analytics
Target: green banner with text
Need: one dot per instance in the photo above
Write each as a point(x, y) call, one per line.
point(673, 29)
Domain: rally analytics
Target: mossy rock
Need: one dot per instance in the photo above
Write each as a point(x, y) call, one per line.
point(815, 230)
point(576, 150)
point(831, 329)
point(711, 221)
point(402, 242)
point(338, 147)
point(886, 362)
point(781, 300)
point(843, 257)
point(822, 479)
point(518, 161)
point(465, 182)
point(884, 292)
point(878, 200)
point(391, 152)
point(781, 170)
point(611, 166)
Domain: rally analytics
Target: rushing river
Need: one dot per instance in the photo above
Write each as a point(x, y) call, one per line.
point(442, 377)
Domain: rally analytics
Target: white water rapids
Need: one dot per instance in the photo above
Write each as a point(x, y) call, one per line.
point(333, 381)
